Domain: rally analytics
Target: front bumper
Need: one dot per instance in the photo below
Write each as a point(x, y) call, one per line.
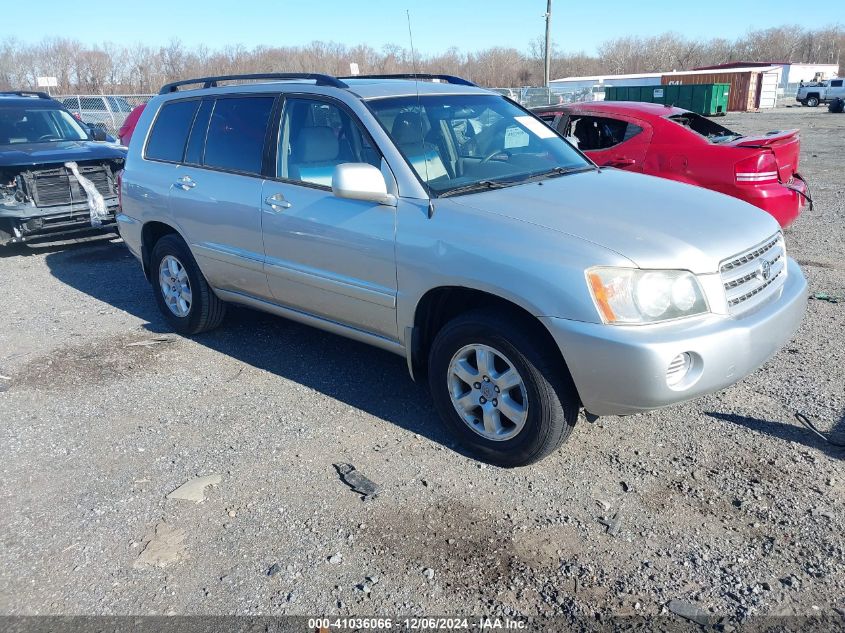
point(26, 223)
point(620, 370)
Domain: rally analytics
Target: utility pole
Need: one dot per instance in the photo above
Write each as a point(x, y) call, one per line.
point(548, 55)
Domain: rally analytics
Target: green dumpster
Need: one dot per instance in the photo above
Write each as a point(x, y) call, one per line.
point(706, 99)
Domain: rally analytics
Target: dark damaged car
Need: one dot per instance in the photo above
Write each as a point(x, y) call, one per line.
point(57, 176)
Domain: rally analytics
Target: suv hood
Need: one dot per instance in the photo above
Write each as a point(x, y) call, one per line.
point(58, 152)
point(654, 222)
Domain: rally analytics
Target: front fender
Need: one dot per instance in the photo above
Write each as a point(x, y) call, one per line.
point(537, 269)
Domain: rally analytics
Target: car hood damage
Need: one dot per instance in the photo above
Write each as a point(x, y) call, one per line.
point(656, 223)
point(30, 154)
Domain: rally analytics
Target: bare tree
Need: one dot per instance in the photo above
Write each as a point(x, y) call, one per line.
point(126, 67)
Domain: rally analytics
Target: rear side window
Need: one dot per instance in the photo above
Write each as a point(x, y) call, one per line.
point(837, 83)
point(93, 103)
point(236, 133)
point(170, 131)
point(596, 133)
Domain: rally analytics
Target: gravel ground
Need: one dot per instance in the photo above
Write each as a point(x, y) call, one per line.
point(725, 503)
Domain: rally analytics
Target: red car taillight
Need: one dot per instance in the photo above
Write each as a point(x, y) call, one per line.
point(757, 170)
point(119, 181)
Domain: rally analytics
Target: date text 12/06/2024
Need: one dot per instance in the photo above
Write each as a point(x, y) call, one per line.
point(324, 625)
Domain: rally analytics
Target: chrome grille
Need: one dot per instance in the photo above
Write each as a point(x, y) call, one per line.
point(51, 187)
point(755, 275)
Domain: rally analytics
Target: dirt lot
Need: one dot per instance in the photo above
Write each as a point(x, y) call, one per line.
point(725, 503)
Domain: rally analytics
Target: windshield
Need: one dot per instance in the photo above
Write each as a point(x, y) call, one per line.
point(21, 124)
point(456, 141)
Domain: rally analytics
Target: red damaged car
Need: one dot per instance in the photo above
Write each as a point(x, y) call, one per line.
point(673, 143)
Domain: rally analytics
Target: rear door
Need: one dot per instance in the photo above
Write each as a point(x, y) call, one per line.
point(327, 256)
point(215, 195)
point(610, 140)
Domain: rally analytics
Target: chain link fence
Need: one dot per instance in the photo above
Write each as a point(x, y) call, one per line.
point(107, 112)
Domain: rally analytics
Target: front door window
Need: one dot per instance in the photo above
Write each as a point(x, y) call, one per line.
point(315, 137)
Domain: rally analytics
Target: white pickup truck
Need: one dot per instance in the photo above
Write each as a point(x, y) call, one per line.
point(815, 93)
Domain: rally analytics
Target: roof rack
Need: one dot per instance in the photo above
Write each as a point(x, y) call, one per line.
point(211, 82)
point(449, 79)
point(26, 93)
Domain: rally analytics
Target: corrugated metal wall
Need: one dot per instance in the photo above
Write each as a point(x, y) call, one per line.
point(744, 86)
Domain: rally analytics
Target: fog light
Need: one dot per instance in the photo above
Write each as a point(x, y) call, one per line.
point(678, 369)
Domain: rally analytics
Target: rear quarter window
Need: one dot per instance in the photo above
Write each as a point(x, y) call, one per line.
point(170, 131)
point(548, 119)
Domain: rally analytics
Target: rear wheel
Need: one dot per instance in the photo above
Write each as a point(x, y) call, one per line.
point(500, 390)
point(182, 293)
point(812, 101)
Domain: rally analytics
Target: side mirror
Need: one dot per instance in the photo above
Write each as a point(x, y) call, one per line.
point(361, 181)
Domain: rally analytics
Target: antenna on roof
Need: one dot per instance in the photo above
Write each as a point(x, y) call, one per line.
point(411, 38)
point(419, 108)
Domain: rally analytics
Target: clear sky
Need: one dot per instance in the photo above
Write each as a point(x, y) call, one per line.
point(438, 24)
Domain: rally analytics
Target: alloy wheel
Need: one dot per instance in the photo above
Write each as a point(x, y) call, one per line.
point(488, 392)
point(175, 286)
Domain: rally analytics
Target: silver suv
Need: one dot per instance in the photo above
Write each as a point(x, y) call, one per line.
point(445, 223)
point(98, 111)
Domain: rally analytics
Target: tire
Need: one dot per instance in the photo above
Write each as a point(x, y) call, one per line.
point(546, 391)
point(205, 311)
point(812, 101)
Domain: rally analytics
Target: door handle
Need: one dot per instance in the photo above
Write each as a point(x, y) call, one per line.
point(186, 182)
point(277, 202)
point(620, 161)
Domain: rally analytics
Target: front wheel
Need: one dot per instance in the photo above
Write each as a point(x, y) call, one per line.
point(500, 390)
point(182, 293)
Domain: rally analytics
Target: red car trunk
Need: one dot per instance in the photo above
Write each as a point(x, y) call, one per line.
point(674, 143)
point(784, 145)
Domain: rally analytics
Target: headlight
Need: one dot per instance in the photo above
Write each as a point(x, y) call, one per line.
point(631, 295)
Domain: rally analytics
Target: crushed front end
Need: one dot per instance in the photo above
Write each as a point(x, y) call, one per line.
point(44, 200)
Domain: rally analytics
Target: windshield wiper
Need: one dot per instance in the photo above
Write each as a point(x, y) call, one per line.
point(563, 171)
point(555, 172)
point(499, 184)
point(481, 185)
